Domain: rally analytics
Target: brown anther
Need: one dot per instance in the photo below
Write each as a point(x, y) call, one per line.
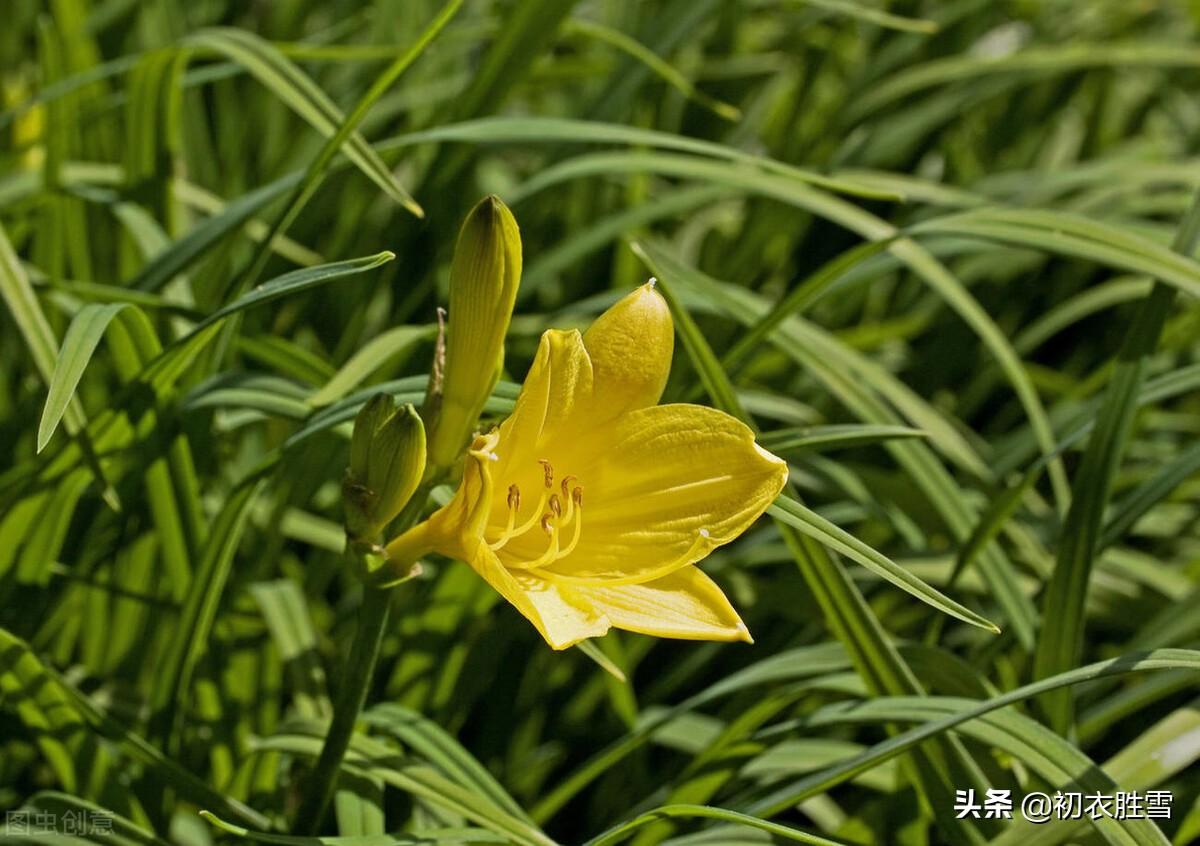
point(577, 496)
point(546, 524)
point(556, 505)
point(565, 485)
point(548, 469)
point(514, 498)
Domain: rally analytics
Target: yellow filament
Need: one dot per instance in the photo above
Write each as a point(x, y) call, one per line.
point(551, 521)
point(552, 526)
point(509, 532)
point(514, 505)
point(551, 552)
point(575, 534)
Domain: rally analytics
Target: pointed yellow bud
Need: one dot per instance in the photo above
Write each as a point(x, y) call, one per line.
point(387, 460)
point(483, 287)
point(630, 346)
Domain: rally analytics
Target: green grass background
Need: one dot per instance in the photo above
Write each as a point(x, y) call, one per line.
point(938, 253)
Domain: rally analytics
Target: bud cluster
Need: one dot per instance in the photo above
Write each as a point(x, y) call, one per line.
point(387, 460)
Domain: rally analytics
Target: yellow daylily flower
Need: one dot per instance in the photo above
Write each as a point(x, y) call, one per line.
point(589, 507)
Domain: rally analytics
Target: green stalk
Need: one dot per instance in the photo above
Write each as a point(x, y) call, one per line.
point(364, 653)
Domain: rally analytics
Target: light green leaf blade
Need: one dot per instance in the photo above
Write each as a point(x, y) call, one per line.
point(305, 97)
point(821, 530)
point(80, 342)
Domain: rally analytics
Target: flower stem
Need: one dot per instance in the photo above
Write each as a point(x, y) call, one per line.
point(360, 669)
point(364, 652)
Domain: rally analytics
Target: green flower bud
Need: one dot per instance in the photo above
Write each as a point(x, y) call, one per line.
point(387, 460)
point(483, 287)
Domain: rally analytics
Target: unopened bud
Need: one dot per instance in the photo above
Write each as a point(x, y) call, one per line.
point(483, 287)
point(630, 347)
point(387, 460)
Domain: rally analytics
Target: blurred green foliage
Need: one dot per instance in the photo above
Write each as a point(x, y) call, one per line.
point(906, 240)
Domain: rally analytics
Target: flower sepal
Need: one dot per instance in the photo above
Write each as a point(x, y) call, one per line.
point(375, 568)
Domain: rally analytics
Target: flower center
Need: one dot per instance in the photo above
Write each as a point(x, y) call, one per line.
point(553, 514)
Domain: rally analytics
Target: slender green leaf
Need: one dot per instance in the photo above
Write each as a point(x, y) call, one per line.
point(1159, 659)
point(621, 832)
point(78, 345)
point(822, 438)
point(373, 355)
point(813, 525)
point(846, 610)
point(1062, 639)
point(192, 631)
point(303, 96)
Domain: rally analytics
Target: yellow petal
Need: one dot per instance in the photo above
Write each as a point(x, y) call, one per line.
point(670, 484)
point(687, 604)
point(555, 403)
point(457, 526)
point(630, 346)
point(563, 615)
point(466, 515)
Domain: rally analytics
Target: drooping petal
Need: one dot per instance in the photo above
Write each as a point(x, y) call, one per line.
point(562, 615)
point(687, 604)
point(671, 483)
point(630, 346)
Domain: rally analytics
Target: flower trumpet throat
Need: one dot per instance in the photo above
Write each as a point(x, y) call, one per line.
point(484, 277)
point(589, 507)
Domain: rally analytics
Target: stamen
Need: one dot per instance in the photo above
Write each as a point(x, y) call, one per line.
point(653, 281)
point(575, 507)
point(549, 514)
point(514, 505)
point(550, 528)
